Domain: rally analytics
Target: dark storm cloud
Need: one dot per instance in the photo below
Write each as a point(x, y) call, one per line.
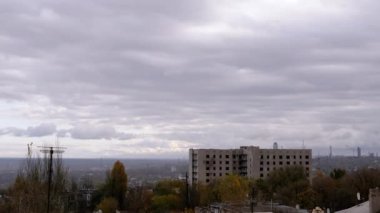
point(212, 73)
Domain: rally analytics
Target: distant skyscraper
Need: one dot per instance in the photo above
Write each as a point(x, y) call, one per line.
point(330, 155)
point(359, 152)
point(275, 145)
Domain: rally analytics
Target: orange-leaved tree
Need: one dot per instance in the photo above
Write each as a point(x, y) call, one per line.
point(116, 184)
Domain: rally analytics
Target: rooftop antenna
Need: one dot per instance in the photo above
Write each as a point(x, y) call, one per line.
point(50, 150)
point(303, 144)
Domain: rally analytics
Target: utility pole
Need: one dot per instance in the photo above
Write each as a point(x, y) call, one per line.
point(50, 150)
point(187, 191)
point(252, 201)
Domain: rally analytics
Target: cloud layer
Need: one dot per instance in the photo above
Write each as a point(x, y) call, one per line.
point(191, 73)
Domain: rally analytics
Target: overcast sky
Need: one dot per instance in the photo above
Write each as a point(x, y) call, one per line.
point(143, 79)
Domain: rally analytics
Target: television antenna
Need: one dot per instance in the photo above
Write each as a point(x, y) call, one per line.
point(50, 150)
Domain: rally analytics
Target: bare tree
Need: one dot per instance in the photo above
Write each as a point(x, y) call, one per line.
point(29, 191)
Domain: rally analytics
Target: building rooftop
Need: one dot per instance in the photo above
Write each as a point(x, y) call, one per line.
point(360, 208)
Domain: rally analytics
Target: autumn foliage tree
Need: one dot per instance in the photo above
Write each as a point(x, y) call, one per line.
point(336, 190)
point(228, 189)
point(116, 185)
point(232, 189)
point(139, 199)
point(333, 191)
point(285, 185)
point(169, 195)
point(108, 205)
point(362, 180)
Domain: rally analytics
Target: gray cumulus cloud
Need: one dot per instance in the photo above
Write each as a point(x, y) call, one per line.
point(206, 73)
point(81, 132)
point(85, 131)
point(40, 130)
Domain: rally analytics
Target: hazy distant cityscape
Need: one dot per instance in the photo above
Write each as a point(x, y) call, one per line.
point(141, 172)
point(173, 106)
point(149, 171)
point(147, 175)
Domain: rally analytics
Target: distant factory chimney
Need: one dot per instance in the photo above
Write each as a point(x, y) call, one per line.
point(359, 152)
point(275, 145)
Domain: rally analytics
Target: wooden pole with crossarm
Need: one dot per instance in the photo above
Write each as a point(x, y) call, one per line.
point(50, 150)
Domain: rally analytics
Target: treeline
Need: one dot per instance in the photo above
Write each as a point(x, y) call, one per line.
point(290, 186)
point(29, 192)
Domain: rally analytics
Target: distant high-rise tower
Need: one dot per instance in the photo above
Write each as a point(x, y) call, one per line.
point(330, 155)
point(275, 145)
point(359, 152)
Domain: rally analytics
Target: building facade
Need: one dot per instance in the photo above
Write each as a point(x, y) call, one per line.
point(207, 165)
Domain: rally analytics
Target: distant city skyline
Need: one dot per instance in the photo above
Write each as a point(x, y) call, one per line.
point(151, 79)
